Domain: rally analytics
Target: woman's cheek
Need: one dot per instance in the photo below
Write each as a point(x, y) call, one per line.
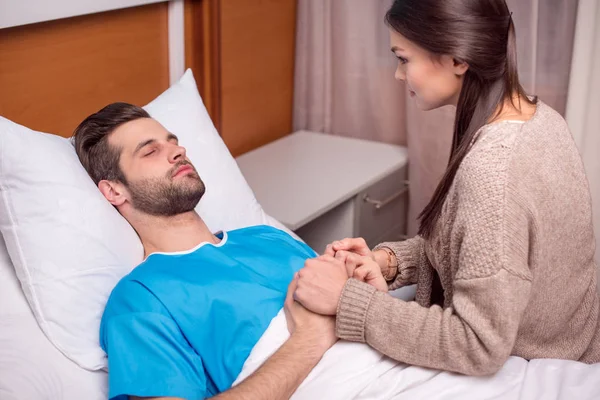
point(414, 82)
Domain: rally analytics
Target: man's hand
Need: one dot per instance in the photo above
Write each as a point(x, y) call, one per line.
point(320, 284)
point(300, 321)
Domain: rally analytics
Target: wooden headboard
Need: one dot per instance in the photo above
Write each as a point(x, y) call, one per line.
point(55, 73)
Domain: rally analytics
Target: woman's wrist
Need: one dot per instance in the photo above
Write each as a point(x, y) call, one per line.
point(388, 263)
point(381, 257)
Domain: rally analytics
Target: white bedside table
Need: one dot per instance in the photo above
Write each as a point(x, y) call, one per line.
point(326, 187)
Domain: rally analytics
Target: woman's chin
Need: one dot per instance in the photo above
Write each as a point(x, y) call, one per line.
point(427, 106)
point(423, 106)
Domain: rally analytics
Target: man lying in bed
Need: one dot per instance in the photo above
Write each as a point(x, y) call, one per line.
point(183, 322)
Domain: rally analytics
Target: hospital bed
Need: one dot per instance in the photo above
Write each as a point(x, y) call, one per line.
point(63, 248)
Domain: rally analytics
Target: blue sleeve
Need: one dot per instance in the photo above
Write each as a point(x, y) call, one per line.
point(148, 356)
point(309, 251)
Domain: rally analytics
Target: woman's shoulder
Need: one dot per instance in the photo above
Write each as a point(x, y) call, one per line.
point(509, 149)
point(533, 158)
point(545, 140)
point(491, 151)
point(545, 133)
point(546, 119)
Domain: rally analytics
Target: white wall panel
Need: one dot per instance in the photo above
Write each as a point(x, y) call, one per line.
point(21, 12)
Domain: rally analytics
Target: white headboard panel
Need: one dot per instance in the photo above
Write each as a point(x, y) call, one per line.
point(21, 12)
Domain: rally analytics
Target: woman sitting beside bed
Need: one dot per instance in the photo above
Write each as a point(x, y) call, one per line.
point(504, 259)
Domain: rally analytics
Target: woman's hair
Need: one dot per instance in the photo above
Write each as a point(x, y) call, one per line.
point(477, 32)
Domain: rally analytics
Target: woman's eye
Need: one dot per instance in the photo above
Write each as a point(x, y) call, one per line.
point(402, 60)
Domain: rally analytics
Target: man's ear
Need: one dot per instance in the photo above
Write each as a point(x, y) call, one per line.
point(113, 191)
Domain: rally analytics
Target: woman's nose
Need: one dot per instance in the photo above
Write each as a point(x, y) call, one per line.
point(400, 75)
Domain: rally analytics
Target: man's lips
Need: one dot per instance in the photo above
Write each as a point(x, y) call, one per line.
point(184, 169)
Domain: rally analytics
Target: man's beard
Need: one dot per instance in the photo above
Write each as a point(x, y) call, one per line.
point(165, 197)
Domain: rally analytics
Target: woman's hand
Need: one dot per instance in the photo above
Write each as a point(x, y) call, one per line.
point(320, 284)
point(367, 270)
point(341, 248)
point(353, 245)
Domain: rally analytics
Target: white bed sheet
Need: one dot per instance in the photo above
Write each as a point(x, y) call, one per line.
point(355, 371)
point(31, 368)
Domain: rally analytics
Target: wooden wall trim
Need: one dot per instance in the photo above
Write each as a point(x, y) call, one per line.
point(203, 52)
point(257, 76)
point(242, 53)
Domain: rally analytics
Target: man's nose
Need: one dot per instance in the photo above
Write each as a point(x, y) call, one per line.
point(177, 153)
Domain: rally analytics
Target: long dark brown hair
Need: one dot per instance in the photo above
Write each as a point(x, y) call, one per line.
point(481, 34)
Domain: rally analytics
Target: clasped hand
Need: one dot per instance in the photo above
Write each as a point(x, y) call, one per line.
point(320, 283)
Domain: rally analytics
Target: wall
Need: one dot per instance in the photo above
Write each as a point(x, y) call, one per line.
point(583, 105)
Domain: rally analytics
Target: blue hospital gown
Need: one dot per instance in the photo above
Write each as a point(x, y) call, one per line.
point(183, 324)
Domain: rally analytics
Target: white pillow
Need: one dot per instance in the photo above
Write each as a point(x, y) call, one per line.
point(12, 300)
point(228, 202)
point(70, 247)
point(30, 366)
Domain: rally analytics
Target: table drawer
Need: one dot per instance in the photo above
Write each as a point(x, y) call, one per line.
point(381, 209)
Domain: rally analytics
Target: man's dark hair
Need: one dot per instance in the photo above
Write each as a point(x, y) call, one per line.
point(100, 160)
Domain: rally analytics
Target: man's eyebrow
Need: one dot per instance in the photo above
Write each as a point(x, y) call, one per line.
point(172, 136)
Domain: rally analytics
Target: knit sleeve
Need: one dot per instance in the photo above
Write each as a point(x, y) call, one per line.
point(475, 334)
point(410, 254)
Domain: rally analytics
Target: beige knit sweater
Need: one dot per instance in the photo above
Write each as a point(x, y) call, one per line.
point(509, 269)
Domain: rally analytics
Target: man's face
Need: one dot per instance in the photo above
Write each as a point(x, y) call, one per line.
point(160, 179)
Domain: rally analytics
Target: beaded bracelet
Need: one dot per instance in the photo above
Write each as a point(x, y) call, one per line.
point(392, 276)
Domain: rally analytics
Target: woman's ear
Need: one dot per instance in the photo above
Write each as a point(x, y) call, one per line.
point(114, 192)
point(460, 67)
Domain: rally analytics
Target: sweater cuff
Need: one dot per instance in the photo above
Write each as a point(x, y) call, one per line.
point(410, 255)
point(352, 310)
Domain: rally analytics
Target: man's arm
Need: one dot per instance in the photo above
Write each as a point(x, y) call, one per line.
point(279, 377)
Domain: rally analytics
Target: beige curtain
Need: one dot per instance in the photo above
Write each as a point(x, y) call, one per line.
point(344, 79)
point(583, 107)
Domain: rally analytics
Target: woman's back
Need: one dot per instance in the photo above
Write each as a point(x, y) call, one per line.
point(546, 168)
point(520, 202)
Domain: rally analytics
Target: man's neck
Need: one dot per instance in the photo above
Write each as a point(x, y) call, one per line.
point(171, 234)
